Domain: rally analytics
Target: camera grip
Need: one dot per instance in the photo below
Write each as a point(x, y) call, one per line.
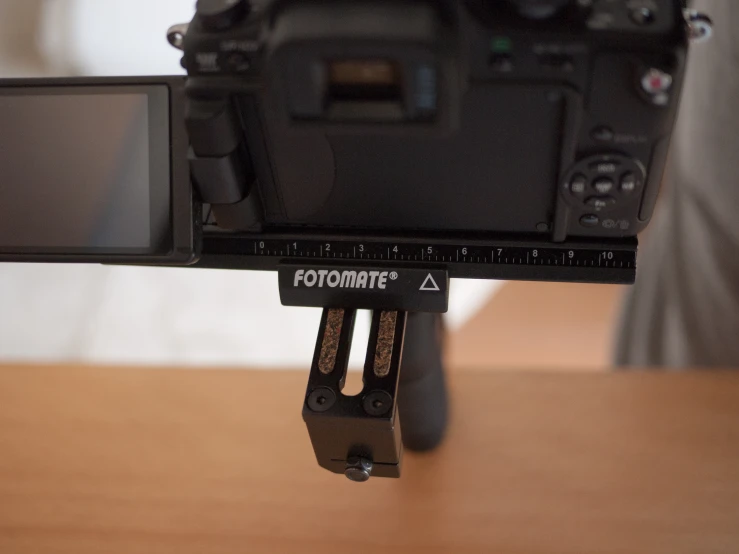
point(422, 393)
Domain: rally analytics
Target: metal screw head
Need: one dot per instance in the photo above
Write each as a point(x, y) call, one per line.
point(358, 469)
point(321, 399)
point(377, 403)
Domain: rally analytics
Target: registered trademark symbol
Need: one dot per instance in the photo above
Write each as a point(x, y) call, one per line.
point(394, 276)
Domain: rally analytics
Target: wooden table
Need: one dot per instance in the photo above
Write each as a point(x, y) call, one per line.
point(154, 461)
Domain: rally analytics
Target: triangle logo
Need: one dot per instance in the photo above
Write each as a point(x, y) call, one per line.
point(430, 285)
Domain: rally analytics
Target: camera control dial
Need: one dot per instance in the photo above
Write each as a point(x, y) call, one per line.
point(541, 9)
point(603, 183)
point(220, 15)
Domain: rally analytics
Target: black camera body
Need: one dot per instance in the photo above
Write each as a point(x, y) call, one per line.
point(519, 139)
point(430, 116)
point(413, 117)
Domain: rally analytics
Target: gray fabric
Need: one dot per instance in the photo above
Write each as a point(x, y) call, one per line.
point(684, 310)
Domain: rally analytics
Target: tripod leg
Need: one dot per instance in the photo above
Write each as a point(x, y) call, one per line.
point(422, 392)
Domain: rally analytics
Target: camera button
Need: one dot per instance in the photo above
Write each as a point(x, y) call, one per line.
point(502, 62)
point(604, 185)
point(578, 185)
point(600, 202)
point(629, 183)
point(561, 62)
point(589, 220)
point(643, 16)
point(657, 84)
point(239, 62)
point(604, 167)
point(602, 134)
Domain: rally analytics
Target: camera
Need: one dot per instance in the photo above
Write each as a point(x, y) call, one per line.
point(368, 150)
point(521, 139)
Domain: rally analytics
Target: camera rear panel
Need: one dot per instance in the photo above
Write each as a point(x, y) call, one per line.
point(557, 143)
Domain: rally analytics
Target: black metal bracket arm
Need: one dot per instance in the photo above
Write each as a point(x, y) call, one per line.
point(359, 435)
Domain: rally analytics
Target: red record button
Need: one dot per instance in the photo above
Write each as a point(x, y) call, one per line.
point(656, 81)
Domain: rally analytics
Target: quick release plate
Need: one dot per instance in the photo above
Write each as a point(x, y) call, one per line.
point(364, 287)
